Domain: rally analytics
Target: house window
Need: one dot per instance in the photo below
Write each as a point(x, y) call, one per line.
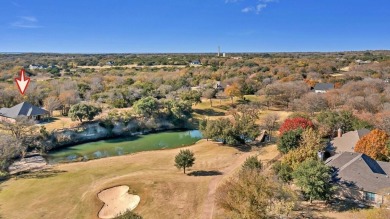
point(370, 196)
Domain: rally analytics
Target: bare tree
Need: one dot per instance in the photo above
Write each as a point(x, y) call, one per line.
point(68, 98)
point(209, 94)
point(270, 122)
point(311, 103)
point(51, 104)
point(285, 93)
point(9, 148)
point(22, 129)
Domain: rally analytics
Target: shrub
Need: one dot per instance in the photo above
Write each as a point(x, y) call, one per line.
point(129, 215)
point(289, 140)
point(252, 163)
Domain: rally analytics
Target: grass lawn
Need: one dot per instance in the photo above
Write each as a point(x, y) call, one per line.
point(69, 190)
point(56, 123)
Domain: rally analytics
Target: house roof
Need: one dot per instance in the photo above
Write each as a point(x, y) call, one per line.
point(347, 142)
point(360, 171)
point(22, 109)
point(324, 86)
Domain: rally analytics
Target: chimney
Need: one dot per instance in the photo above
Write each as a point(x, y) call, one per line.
point(339, 133)
point(321, 155)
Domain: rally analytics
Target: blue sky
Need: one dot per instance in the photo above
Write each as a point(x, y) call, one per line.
point(129, 26)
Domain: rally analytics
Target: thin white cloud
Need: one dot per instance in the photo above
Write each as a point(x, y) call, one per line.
point(259, 6)
point(26, 22)
point(247, 9)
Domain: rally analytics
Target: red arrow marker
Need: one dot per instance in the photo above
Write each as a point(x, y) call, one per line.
point(22, 82)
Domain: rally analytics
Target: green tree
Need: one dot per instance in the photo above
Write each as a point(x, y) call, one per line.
point(252, 163)
point(330, 121)
point(283, 171)
point(146, 106)
point(314, 179)
point(84, 111)
point(234, 131)
point(193, 96)
point(179, 112)
point(218, 130)
point(289, 140)
point(184, 159)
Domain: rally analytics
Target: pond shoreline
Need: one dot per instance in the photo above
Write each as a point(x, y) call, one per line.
point(123, 145)
point(113, 137)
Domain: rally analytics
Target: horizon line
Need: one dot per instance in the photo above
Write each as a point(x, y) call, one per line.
point(195, 53)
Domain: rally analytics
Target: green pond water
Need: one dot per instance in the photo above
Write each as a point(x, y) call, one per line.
point(121, 146)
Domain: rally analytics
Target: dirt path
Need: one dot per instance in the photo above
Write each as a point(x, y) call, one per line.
point(209, 204)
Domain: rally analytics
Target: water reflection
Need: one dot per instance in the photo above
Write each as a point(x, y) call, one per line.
point(122, 146)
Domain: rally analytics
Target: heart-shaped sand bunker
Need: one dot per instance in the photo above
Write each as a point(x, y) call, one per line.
point(117, 200)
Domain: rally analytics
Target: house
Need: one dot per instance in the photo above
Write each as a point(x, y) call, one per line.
point(263, 137)
point(40, 67)
point(361, 178)
point(323, 87)
point(361, 62)
point(23, 109)
point(196, 63)
point(346, 142)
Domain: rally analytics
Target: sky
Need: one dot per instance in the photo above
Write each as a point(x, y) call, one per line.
point(193, 26)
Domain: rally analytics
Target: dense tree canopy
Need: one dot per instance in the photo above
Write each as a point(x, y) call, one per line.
point(375, 144)
point(146, 106)
point(83, 111)
point(330, 121)
point(238, 130)
point(184, 159)
point(289, 140)
point(233, 91)
point(309, 146)
point(252, 163)
point(314, 179)
point(293, 124)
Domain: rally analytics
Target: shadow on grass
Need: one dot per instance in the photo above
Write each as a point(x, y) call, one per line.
point(223, 107)
point(243, 101)
point(242, 148)
point(208, 112)
point(340, 205)
point(38, 175)
point(48, 120)
point(3, 179)
point(205, 173)
point(311, 211)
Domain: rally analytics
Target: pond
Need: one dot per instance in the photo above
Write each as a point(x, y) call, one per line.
point(121, 146)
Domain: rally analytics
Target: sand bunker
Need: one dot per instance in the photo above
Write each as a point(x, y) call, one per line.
point(117, 200)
